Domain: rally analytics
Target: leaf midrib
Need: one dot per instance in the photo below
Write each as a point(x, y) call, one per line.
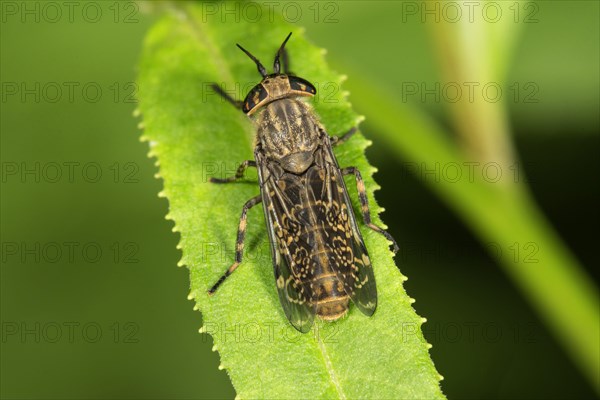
point(331, 370)
point(201, 35)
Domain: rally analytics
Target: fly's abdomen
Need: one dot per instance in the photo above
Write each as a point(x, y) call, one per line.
point(331, 300)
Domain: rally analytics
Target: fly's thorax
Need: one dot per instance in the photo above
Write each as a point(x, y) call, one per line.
point(289, 133)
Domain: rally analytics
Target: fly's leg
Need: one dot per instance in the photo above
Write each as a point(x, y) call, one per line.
point(239, 173)
point(364, 204)
point(337, 140)
point(239, 247)
point(236, 103)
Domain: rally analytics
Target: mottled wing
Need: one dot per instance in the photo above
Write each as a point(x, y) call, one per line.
point(279, 199)
point(350, 259)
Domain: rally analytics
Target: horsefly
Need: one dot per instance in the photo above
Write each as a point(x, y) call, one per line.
point(319, 256)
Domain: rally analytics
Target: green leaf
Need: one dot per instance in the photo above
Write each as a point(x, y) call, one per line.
point(194, 135)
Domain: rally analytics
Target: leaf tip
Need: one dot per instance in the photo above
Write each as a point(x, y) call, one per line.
point(411, 300)
point(136, 113)
point(141, 125)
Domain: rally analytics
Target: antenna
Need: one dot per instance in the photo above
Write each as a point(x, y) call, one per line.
point(276, 66)
point(261, 68)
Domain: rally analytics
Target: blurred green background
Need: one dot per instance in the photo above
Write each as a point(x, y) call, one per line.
point(116, 324)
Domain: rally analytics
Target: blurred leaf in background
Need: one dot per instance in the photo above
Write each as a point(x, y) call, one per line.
point(498, 207)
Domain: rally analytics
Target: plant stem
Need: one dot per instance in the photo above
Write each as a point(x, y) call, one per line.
point(555, 284)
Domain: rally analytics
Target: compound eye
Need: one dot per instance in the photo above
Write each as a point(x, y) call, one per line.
point(302, 85)
point(254, 98)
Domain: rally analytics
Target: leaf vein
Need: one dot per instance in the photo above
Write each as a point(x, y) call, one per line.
point(330, 370)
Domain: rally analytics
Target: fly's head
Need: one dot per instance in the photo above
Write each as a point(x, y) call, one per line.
point(274, 86)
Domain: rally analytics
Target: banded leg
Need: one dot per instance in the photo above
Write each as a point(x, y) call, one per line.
point(239, 174)
point(337, 140)
point(236, 103)
point(364, 203)
point(239, 247)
